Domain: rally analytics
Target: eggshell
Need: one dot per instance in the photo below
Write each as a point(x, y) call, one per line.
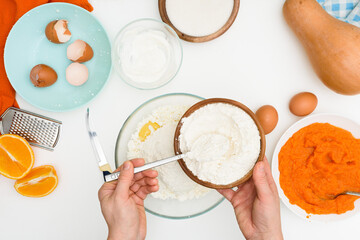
point(303, 104)
point(79, 51)
point(77, 74)
point(57, 31)
point(43, 76)
point(268, 118)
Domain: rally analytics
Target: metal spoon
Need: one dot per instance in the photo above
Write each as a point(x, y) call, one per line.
point(332, 197)
point(115, 175)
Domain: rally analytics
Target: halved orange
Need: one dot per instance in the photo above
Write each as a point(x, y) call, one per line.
point(16, 156)
point(40, 182)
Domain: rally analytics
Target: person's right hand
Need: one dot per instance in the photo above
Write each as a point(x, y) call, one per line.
point(122, 201)
point(257, 205)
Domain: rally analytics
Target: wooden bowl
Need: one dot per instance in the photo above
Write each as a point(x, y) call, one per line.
point(164, 16)
point(177, 142)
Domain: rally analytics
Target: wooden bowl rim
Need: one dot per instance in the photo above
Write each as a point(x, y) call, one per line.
point(165, 18)
point(198, 106)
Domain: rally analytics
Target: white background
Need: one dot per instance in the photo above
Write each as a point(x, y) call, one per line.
point(258, 61)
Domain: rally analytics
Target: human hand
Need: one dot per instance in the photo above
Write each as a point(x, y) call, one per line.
point(257, 205)
point(122, 201)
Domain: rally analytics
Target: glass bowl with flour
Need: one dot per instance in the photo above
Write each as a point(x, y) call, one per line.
point(149, 133)
point(222, 140)
point(147, 53)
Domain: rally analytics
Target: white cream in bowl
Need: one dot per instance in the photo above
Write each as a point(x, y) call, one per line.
point(147, 54)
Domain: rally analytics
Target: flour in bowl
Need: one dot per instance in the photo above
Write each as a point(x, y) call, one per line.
point(158, 143)
point(222, 142)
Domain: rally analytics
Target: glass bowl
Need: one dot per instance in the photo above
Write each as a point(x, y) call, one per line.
point(141, 43)
point(172, 209)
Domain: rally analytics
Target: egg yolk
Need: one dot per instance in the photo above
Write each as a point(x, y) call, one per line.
point(317, 163)
point(147, 129)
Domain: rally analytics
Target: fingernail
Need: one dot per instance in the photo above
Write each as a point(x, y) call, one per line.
point(126, 165)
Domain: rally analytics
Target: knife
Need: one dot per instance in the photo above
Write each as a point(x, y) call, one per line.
point(99, 153)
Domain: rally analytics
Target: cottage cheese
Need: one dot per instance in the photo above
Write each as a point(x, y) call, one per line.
point(222, 142)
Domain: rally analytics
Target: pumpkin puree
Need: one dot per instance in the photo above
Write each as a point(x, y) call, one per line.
point(317, 162)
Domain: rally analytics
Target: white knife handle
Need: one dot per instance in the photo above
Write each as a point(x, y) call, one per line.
point(115, 176)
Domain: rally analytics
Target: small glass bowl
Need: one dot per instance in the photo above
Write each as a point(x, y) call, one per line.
point(173, 56)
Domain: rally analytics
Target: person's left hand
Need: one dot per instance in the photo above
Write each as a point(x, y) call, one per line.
point(122, 201)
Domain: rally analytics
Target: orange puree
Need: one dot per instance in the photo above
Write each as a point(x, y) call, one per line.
point(319, 161)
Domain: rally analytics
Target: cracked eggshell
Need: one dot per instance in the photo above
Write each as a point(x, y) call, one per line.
point(43, 76)
point(77, 74)
point(79, 51)
point(57, 31)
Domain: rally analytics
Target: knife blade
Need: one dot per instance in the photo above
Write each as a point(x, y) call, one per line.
point(99, 153)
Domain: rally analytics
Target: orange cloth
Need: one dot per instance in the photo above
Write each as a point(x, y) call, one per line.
point(10, 12)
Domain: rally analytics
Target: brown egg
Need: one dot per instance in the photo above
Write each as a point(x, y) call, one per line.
point(57, 31)
point(268, 118)
point(79, 51)
point(303, 104)
point(43, 76)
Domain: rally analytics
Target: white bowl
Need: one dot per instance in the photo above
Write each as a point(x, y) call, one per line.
point(173, 209)
point(335, 120)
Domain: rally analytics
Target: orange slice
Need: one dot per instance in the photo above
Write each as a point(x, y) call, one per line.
point(16, 156)
point(40, 182)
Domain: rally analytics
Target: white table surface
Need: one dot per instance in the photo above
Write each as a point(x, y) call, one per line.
point(258, 61)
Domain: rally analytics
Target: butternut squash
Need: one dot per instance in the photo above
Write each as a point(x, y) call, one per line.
point(333, 46)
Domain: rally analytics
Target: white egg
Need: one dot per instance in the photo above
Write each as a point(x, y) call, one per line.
point(77, 74)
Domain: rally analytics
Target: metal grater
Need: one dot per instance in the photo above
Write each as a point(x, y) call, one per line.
point(38, 130)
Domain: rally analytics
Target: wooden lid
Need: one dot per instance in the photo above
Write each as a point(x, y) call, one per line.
point(177, 142)
point(221, 31)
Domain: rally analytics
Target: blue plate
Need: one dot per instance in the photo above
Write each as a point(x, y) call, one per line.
point(28, 46)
